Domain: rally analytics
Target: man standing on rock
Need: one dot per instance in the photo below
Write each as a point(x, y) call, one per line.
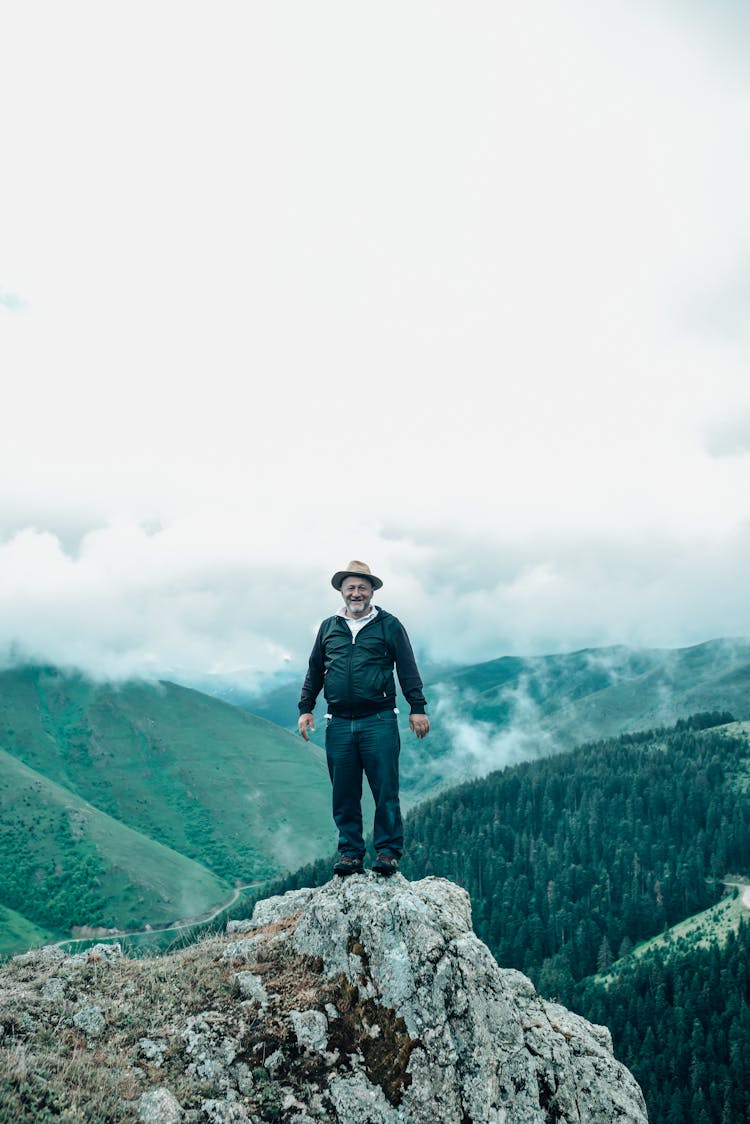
point(353, 659)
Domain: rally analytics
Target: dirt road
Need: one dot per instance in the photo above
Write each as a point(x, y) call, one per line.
point(203, 920)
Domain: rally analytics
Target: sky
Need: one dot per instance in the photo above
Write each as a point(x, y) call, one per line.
point(459, 290)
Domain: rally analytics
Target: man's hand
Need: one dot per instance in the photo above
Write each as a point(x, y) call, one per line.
point(420, 724)
point(306, 722)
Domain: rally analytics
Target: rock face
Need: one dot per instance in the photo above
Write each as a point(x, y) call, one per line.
point(445, 1033)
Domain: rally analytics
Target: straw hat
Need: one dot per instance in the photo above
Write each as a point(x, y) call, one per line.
point(356, 570)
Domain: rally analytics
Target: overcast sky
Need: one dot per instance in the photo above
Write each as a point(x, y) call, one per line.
point(459, 289)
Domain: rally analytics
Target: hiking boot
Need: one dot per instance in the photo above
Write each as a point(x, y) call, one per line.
point(348, 864)
point(385, 863)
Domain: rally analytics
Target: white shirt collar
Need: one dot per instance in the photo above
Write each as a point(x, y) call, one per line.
point(355, 625)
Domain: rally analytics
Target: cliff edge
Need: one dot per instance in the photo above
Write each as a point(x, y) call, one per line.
point(365, 1001)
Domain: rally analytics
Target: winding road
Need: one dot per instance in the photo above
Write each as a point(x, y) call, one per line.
point(745, 887)
point(204, 919)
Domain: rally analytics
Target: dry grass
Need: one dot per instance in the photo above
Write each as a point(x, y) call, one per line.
point(51, 1070)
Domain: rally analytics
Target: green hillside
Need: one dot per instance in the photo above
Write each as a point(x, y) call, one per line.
point(711, 926)
point(574, 858)
point(64, 864)
point(159, 773)
point(18, 933)
point(679, 1014)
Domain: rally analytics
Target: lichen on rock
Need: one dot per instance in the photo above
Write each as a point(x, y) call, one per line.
point(478, 1043)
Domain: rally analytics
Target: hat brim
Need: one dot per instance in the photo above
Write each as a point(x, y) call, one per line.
point(338, 578)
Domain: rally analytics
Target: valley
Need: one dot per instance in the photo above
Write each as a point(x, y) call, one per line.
point(597, 868)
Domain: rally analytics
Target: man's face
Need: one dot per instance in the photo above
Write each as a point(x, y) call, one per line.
point(357, 594)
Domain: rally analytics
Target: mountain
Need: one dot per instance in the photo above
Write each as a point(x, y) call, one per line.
point(245, 686)
point(368, 1001)
point(573, 858)
point(507, 710)
point(161, 799)
point(502, 711)
point(199, 780)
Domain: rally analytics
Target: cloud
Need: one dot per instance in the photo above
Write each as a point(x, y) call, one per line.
point(130, 603)
point(730, 438)
point(11, 301)
point(556, 594)
point(174, 603)
point(478, 748)
point(460, 293)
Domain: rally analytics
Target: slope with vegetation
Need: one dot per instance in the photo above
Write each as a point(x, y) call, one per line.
point(139, 804)
point(64, 864)
point(573, 860)
point(682, 1020)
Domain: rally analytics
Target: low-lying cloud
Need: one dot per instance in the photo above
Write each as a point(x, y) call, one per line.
point(131, 602)
point(478, 747)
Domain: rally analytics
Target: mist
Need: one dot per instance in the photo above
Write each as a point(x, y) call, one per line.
point(478, 748)
point(129, 602)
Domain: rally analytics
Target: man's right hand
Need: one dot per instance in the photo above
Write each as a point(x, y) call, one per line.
point(306, 723)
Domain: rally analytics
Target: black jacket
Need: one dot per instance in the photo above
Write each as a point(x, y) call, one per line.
point(356, 673)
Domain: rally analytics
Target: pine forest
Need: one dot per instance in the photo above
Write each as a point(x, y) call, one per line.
point(572, 862)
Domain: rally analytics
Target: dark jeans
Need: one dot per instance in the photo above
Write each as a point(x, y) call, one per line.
point(371, 744)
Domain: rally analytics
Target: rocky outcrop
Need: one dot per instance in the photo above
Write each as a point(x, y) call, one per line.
point(366, 1001)
point(433, 1026)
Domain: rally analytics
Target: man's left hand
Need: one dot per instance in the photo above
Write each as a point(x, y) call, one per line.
point(420, 724)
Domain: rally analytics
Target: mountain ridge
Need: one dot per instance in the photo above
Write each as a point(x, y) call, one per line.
point(512, 709)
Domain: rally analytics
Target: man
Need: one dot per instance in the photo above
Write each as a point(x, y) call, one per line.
point(353, 659)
